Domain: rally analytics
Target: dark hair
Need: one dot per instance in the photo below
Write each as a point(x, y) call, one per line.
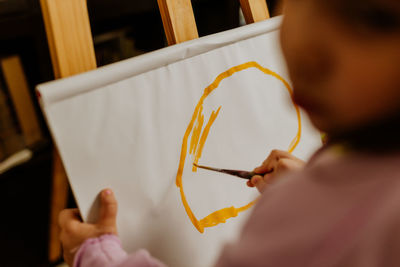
point(382, 136)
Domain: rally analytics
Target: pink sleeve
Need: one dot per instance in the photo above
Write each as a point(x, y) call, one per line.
point(106, 251)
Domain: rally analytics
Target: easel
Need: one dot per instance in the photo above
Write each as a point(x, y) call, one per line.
point(72, 52)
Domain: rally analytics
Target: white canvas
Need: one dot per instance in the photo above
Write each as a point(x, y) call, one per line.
point(122, 127)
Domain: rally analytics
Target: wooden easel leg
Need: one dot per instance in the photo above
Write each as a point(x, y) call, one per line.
point(58, 203)
point(72, 52)
point(178, 20)
point(254, 10)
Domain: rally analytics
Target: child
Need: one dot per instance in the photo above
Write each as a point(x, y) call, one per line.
point(343, 207)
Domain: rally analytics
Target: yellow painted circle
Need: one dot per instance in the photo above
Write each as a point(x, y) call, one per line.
point(199, 137)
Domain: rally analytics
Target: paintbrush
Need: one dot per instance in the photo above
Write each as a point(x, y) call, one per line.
point(238, 173)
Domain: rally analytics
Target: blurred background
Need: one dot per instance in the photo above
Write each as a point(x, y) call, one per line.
point(121, 29)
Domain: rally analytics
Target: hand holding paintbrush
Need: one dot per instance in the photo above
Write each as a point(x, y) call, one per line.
point(238, 173)
point(277, 162)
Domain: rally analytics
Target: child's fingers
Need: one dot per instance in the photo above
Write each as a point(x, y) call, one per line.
point(287, 164)
point(67, 216)
point(249, 183)
point(108, 209)
point(266, 165)
point(270, 162)
point(72, 227)
point(279, 160)
point(284, 165)
point(258, 182)
point(255, 180)
point(262, 169)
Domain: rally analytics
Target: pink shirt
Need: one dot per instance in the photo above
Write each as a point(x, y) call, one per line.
point(106, 251)
point(338, 211)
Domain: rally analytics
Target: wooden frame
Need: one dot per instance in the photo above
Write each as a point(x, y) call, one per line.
point(71, 48)
point(178, 20)
point(72, 52)
point(180, 25)
point(254, 10)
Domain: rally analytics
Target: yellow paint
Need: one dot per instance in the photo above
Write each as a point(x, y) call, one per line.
point(196, 133)
point(203, 138)
point(197, 145)
point(220, 216)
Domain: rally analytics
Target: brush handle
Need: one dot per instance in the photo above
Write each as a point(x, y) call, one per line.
point(243, 174)
point(238, 173)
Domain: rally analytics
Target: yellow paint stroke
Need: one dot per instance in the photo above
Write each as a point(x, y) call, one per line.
point(203, 137)
point(196, 132)
point(219, 216)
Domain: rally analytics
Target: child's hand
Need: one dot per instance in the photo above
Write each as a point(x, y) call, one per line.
point(277, 163)
point(74, 232)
